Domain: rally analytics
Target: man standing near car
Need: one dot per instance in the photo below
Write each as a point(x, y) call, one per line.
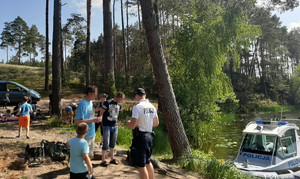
point(144, 118)
point(6, 100)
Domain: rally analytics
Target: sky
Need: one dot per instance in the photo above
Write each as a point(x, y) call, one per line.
point(33, 13)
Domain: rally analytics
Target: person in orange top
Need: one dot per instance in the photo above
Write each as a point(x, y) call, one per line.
point(24, 120)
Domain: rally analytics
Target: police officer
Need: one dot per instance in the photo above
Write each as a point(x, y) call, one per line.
point(144, 118)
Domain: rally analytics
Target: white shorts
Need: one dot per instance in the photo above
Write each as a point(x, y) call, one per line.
point(91, 143)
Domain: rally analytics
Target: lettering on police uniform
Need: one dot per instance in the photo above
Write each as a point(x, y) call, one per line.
point(148, 110)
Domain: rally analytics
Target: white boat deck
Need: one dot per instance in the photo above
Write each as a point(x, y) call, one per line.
point(274, 128)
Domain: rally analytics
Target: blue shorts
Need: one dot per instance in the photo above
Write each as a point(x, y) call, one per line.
point(141, 151)
point(110, 135)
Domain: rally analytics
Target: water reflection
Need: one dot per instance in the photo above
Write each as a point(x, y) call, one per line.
point(228, 141)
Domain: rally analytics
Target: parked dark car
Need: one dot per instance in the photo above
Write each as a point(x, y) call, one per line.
point(16, 93)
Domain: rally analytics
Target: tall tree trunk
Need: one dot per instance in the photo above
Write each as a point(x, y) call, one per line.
point(56, 58)
point(140, 30)
point(89, 6)
point(7, 54)
point(47, 48)
point(109, 75)
point(263, 70)
point(123, 35)
point(114, 33)
point(62, 58)
point(65, 54)
point(176, 132)
point(127, 42)
point(19, 53)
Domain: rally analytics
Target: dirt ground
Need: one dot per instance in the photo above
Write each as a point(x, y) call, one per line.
point(13, 150)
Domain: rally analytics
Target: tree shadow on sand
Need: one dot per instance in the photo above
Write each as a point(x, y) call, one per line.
point(54, 174)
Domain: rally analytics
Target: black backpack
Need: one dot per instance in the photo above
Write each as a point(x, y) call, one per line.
point(58, 151)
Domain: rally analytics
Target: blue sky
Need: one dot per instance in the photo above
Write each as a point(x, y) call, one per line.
point(33, 13)
point(290, 19)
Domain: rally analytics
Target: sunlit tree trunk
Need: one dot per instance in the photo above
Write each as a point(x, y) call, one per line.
point(127, 42)
point(114, 33)
point(89, 5)
point(62, 58)
point(176, 132)
point(47, 48)
point(123, 35)
point(109, 75)
point(56, 58)
point(7, 54)
point(140, 30)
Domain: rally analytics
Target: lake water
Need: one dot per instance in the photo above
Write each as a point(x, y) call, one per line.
point(228, 141)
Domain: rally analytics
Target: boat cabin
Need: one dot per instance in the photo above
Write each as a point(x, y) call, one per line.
point(269, 146)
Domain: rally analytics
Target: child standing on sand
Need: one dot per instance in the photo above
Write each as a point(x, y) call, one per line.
point(80, 163)
point(24, 121)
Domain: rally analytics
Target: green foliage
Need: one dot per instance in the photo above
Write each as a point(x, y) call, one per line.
point(295, 86)
point(109, 86)
point(201, 50)
point(229, 103)
point(161, 143)
point(121, 83)
point(161, 137)
point(202, 46)
point(145, 80)
point(25, 40)
point(124, 136)
point(204, 134)
point(207, 165)
point(275, 108)
point(55, 121)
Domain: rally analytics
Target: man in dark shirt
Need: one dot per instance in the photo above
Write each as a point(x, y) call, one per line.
point(110, 112)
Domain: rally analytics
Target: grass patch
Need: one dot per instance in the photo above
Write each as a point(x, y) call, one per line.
point(124, 136)
point(207, 165)
point(23, 75)
point(13, 145)
point(276, 109)
point(161, 143)
point(55, 121)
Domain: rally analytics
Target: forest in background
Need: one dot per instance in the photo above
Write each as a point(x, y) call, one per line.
point(222, 56)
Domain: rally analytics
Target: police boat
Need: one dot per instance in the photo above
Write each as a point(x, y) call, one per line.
point(270, 150)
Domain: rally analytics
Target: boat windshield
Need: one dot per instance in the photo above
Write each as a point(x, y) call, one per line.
point(262, 144)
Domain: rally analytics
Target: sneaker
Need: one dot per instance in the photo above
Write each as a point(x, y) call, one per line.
point(27, 137)
point(18, 136)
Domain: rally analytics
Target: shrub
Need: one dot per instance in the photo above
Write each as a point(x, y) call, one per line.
point(206, 164)
point(124, 136)
point(55, 121)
